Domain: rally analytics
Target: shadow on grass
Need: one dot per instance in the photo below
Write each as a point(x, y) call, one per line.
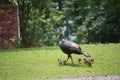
point(75, 65)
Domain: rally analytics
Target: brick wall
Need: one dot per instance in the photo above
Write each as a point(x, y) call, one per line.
point(8, 26)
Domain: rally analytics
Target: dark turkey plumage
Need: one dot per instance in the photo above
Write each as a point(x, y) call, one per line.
point(70, 47)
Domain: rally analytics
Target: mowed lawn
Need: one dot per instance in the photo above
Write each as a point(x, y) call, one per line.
point(37, 63)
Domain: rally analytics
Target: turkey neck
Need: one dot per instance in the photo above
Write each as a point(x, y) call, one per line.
point(60, 36)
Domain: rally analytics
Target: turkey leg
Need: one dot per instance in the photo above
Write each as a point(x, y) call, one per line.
point(69, 56)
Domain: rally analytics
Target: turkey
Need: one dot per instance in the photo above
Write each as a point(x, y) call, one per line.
point(70, 47)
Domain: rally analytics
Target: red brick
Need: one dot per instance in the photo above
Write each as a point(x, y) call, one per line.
point(8, 25)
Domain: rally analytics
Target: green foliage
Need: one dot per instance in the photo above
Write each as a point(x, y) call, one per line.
point(38, 21)
point(4, 2)
point(99, 21)
point(37, 63)
point(90, 21)
point(1, 11)
point(32, 27)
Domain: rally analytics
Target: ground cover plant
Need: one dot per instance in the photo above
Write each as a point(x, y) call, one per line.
point(37, 63)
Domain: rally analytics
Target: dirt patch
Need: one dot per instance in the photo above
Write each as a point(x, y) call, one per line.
point(107, 77)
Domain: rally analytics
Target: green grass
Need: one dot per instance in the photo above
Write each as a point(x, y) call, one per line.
point(37, 63)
